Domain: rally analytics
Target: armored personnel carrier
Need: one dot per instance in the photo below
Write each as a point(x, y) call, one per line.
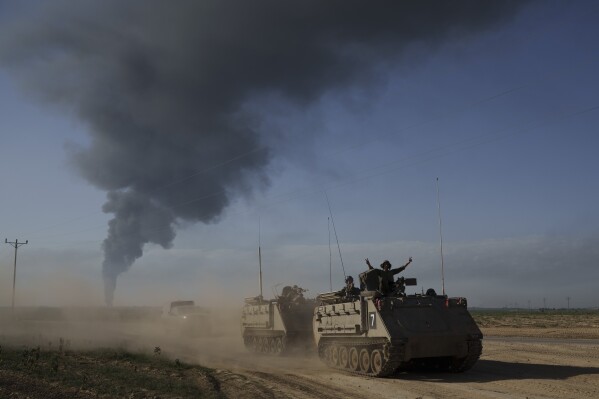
point(278, 325)
point(379, 335)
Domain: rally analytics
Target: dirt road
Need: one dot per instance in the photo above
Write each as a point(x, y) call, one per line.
point(507, 369)
point(510, 367)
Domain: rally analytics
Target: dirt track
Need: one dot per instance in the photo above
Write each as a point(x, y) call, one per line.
point(507, 369)
point(510, 367)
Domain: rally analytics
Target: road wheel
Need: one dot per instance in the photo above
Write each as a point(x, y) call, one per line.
point(364, 360)
point(266, 342)
point(263, 345)
point(343, 357)
point(327, 355)
point(255, 344)
point(354, 359)
point(376, 361)
point(273, 345)
point(279, 345)
point(335, 355)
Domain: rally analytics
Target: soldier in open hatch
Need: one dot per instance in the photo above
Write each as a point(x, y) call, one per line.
point(349, 289)
point(293, 294)
point(386, 275)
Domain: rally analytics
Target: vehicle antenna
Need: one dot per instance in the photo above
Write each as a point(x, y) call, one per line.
point(336, 238)
point(330, 257)
point(440, 239)
point(260, 257)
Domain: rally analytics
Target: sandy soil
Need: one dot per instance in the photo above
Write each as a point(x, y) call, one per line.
point(551, 332)
point(547, 363)
point(508, 368)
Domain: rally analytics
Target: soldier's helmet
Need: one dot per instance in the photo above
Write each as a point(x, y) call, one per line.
point(349, 279)
point(286, 291)
point(387, 264)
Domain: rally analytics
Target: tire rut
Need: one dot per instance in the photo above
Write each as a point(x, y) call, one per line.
point(300, 386)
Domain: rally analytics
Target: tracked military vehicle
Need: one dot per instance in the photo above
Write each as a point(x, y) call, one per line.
point(380, 335)
point(278, 325)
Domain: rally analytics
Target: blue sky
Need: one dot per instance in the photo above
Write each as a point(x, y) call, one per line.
point(506, 119)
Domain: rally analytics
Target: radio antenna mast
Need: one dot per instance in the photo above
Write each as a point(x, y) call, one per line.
point(440, 239)
point(260, 257)
point(336, 238)
point(330, 257)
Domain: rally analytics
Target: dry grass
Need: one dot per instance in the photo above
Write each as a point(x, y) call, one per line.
point(549, 323)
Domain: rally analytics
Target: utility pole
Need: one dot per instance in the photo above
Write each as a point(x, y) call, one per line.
point(16, 244)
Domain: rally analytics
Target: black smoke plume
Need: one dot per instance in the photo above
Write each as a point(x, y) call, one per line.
point(162, 86)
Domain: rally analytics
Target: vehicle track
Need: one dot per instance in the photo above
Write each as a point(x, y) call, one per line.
point(302, 386)
point(506, 370)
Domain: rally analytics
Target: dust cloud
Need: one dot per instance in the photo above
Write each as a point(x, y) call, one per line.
point(76, 319)
point(73, 318)
point(214, 340)
point(127, 328)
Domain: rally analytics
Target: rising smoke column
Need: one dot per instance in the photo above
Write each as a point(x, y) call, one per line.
point(162, 86)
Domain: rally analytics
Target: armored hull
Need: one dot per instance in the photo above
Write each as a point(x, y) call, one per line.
point(379, 335)
point(277, 326)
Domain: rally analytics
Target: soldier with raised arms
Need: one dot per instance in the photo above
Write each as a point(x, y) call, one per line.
point(386, 275)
